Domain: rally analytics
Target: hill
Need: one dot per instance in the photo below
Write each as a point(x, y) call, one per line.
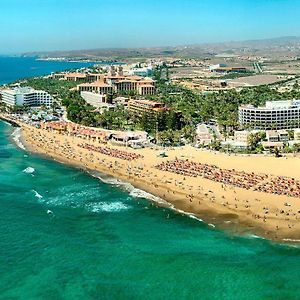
point(274, 47)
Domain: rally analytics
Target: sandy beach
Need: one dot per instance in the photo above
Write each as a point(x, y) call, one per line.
point(257, 195)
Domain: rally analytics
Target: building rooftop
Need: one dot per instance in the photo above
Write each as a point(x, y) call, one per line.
point(95, 84)
point(231, 68)
point(237, 144)
point(81, 75)
point(114, 76)
point(272, 144)
point(202, 128)
point(282, 131)
point(137, 78)
point(146, 85)
point(147, 102)
point(96, 74)
point(273, 133)
point(20, 90)
point(270, 105)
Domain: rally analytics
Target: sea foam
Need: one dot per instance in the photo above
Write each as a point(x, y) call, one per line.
point(37, 195)
point(17, 138)
point(133, 192)
point(106, 207)
point(29, 170)
point(138, 193)
point(291, 240)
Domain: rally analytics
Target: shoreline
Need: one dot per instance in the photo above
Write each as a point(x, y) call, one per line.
point(207, 203)
point(211, 218)
point(8, 120)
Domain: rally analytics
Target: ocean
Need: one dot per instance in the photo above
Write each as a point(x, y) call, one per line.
point(103, 241)
point(14, 68)
point(67, 235)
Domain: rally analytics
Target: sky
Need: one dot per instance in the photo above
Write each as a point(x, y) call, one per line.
point(46, 25)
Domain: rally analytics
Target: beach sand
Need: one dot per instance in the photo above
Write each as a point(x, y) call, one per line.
point(268, 215)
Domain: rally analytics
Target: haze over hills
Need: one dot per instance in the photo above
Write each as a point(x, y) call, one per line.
point(281, 46)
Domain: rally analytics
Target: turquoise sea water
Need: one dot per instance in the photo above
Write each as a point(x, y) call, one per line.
point(104, 243)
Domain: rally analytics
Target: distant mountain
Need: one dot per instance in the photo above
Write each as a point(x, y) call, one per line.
point(281, 46)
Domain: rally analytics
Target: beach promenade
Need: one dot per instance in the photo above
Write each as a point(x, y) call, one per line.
point(261, 193)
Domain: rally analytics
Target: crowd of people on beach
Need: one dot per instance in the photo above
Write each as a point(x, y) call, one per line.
point(281, 185)
point(121, 154)
point(241, 179)
point(232, 177)
point(281, 215)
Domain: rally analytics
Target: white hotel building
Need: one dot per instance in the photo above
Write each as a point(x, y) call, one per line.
point(26, 96)
point(274, 115)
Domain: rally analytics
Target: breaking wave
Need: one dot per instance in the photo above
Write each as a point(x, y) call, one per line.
point(16, 136)
point(37, 195)
point(138, 193)
point(29, 170)
point(106, 207)
point(133, 192)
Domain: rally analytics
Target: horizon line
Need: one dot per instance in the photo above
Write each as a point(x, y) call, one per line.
point(149, 47)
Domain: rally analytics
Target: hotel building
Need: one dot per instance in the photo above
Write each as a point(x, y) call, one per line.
point(146, 71)
point(138, 107)
point(146, 87)
point(91, 77)
point(80, 77)
point(297, 134)
point(277, 135)
point(241, 136)
point(101, 102)
point(274, 115)
point(113, 81)
point(99, 87)
point(96, 100)
point(222, 68)
point(203, 135)
point(125, 85)
point(26, 96)
point(116, 81)
point(59, 76)
point(75, 77)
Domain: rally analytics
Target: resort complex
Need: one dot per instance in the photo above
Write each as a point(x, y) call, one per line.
point(114, 81)
point(150, 150)
point(147, 130)
point(118, 97)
